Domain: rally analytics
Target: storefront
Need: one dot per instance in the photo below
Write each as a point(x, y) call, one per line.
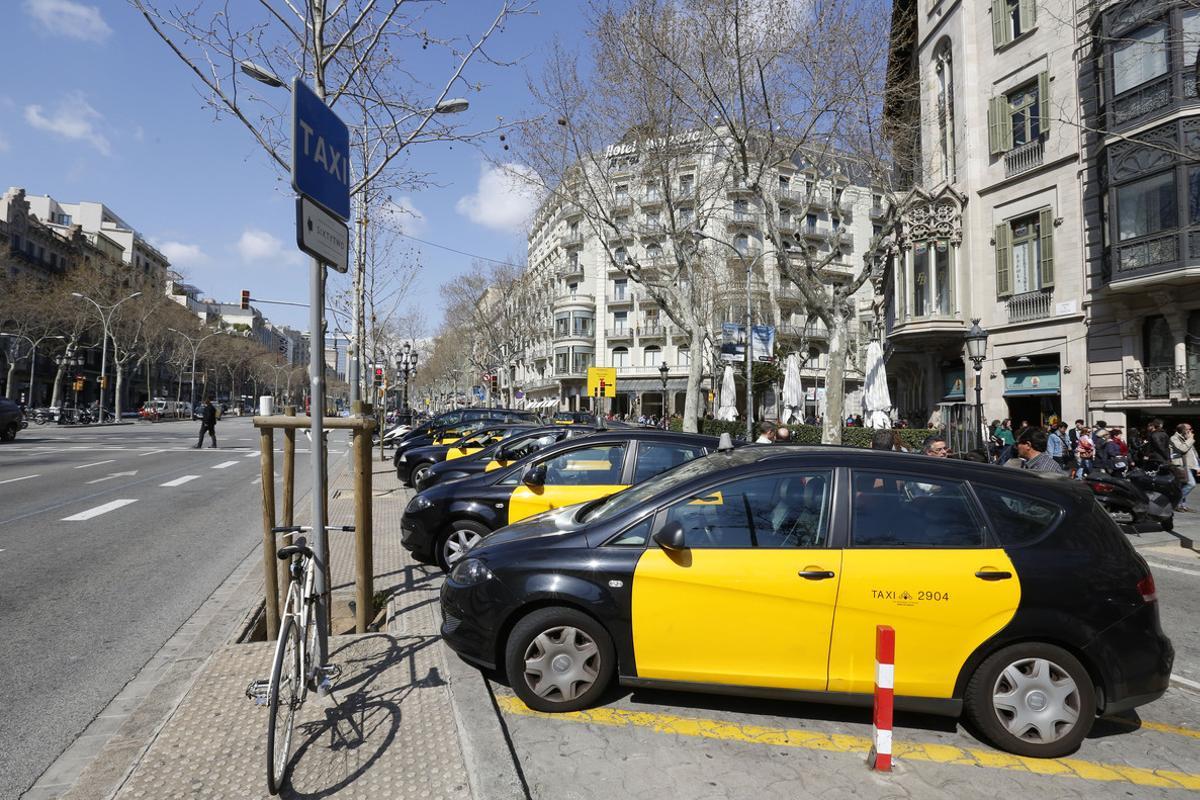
point(1033, 391)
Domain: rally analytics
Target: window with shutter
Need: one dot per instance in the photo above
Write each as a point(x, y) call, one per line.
point(1003, 260)
point(999, 125)
point(1043, 102)
point(1046, 231)
point(1001, 29)
point(1027, 15)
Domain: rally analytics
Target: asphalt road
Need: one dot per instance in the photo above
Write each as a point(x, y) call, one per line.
point(110, 539)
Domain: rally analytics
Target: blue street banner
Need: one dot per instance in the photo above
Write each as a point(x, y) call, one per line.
point(733, 342)
point(320, 152)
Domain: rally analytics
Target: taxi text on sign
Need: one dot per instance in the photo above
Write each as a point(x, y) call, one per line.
point(606, 374)
point(320, 152)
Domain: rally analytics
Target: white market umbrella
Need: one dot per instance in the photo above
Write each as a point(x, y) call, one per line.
point(728, 409)
point(793, 391)
point(877, 402)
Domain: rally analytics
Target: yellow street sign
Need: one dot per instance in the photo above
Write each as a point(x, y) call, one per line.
point(602, 381)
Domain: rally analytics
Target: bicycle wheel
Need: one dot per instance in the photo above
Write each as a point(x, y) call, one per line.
point(281, 704)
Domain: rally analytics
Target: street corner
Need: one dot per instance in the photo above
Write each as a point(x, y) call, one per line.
point(655, 744)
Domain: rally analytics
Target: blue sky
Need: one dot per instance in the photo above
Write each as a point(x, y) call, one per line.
point(101, 110)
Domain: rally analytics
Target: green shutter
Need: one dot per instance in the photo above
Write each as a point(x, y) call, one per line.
point(1001, 30)
point(1028, 12)
point(1044, 102)
point(999, 125)
point(1046, 232)
point(1003, 260)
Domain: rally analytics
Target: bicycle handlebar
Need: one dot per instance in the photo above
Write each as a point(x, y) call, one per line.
point(308, 528)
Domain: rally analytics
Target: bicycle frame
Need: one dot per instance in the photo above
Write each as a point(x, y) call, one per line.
point(299, 605)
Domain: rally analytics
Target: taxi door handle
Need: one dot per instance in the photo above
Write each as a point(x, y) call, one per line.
point(815, 574)
point(993, 574)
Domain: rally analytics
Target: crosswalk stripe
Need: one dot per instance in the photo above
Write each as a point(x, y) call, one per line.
point(98, 463)
point(22, 478)
point(223, 465)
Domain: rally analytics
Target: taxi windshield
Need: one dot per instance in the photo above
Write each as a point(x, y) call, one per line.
point(620, 502)
point(480, 439)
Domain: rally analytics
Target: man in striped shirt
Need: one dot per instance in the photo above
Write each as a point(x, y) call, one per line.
point(1031, 447)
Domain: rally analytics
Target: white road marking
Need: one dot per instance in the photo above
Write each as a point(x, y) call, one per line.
point(1182, 681)
point(223, 465)
point(252, 454)
point(1172, 567)
point(150, 453)
point(22, 478)
point(97, 511)
point(98, 463)
point(256, 481)
point(180, 481)
point(129, 474)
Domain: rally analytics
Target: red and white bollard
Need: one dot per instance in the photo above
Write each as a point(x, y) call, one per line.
point(880, 757)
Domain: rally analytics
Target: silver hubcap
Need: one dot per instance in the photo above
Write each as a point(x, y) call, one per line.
point(1036, 700)
point(561, 663)
point(458, 543)
point(419, 475)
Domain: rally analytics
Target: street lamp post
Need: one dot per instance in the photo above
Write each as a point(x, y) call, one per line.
point(406, 367)
point(69, 359)
point(195, 345)
point(976, 344)
point(33, 346)
point(663, 369)
point(105, 319)
point(698, 234)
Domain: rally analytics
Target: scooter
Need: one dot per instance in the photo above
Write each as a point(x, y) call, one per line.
point(1142, 500)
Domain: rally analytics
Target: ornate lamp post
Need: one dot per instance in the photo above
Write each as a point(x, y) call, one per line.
point(406, 367)
point(70, 359)
point(976, 345)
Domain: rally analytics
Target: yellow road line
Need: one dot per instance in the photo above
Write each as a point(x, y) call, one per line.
point(846, 743)
point(1162, 727)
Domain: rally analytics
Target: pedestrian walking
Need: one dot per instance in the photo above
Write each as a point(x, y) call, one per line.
point(1085, 452)
point(783, 435)
point(208, 424)
point(1184, 462)
point(766, 432)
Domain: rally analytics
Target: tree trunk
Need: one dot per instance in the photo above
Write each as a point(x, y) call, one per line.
point(835, 380)
point(692, 404)
point(12, 376)
point(57, 393)
point(118, 404)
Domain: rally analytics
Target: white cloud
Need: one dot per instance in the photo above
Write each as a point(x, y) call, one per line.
point(73, 118)
point(181, 254)
point(256, 246)
point(68, 18)
point(405, 216)
point(504, 199)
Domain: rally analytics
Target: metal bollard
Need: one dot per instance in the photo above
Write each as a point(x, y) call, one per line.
point(880, 756)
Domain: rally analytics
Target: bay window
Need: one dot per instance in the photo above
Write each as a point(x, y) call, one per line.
point(1146, 206)
point(1140, 57)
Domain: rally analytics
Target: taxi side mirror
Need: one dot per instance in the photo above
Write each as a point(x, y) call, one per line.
point(670, 536)
point(535, 476)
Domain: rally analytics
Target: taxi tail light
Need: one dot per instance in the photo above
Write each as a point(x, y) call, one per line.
point(1102, 488)
point(1147, 589)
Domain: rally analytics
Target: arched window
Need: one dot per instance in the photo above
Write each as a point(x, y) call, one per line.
point(742, 243)
point(653, 252)
point(651, 356)
point(620, 255)
point(620, 357)
point(812, 359)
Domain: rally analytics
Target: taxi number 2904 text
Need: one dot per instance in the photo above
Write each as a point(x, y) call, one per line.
point(935, 596)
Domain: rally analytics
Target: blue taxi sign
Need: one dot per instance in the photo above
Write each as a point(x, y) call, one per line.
point(320, 152)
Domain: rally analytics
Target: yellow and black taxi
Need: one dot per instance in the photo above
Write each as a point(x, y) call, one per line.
point(414, 462)
point(574, 418)
point(453, 425)
point(501, 455)
point(444, 521)
point(765, 571)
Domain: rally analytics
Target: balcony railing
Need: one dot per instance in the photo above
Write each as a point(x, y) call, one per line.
point(582, 298)
point(1159, 383)
point(814, 232)
point(619, 333)
point(651, 331)
point(619, 298)
point(1030, 306)
point(1023, 158)
point(845, 237)
point(573, 334)
point(743, 218)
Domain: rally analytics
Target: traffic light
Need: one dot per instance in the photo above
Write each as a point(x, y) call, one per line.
point(245, 299)
point(379, 376)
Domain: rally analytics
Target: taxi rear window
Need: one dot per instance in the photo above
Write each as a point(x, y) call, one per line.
point(1017, 519)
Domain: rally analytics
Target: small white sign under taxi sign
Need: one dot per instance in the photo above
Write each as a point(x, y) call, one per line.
point(322, 235)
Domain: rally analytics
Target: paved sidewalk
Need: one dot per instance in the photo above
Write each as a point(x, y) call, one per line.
point(392, 730)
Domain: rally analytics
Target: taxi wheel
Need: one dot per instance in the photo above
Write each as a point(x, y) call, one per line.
point(1032, 699)
point(460, 537)
point(559, 659)
point(419, 474)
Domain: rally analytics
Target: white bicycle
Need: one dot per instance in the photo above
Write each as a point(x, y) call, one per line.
point(293, 673)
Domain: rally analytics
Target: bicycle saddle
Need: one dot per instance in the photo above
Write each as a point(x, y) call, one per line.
point(298, 547)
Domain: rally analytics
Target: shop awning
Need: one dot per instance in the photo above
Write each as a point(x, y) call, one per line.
point(1031, 381)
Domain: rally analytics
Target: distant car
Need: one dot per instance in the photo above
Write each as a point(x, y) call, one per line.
point(11, 419)
point(415, 462)
point(501, 455)
point(574, 418)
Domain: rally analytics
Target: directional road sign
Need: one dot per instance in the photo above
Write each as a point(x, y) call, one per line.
point(320, 152)
point(321, 235)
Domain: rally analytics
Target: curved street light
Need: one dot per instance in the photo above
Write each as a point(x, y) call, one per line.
point(106, 319)
point(195, 345)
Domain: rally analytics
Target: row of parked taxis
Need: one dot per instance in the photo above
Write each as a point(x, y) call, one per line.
point(577, 556)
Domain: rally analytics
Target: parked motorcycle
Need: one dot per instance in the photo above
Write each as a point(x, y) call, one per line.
point(1144, 500)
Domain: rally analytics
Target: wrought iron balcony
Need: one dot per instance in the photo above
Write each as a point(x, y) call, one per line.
point(1029, 306)
point(1159, 383)
point(1023, 158)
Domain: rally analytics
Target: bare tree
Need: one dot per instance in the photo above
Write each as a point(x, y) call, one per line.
point(755, 89)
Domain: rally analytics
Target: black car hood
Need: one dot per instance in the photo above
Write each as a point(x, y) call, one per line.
point(437, 451)
point(548, 528)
